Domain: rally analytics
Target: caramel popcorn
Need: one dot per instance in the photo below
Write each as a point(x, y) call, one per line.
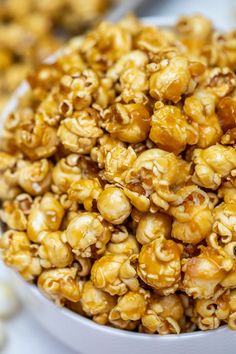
point(115, 274)
point(122, 242)
point(96, 303)
point(171, 131)
point(224, 220)
point(130, 307)
point(35, 178)
point(69, 170)
point(204, 272)
point(61, 284)
point(227, 191)
point(129, 123)
point(78, 134)
point(33, 31)
point(85, 191)
point(160, 266)
point(113, 205)
point(163, 314)
point(172, 79)
point(156, 170)
point(192, 218)
point(45, 215)
point(20, 254)
point(87, 233)
point(118, 174)
point(53, 251)
point(152, 226)
point(213, 164)
point(210, 312)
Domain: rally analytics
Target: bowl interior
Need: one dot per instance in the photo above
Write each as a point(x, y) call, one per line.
point(76, 319)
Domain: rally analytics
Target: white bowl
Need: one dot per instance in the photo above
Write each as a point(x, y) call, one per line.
point(86, 337)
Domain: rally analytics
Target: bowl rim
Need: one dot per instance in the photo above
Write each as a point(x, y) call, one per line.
point(74, 316)
point(162, 21)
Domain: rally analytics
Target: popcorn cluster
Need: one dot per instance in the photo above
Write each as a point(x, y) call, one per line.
point(118, 177)
point(33, 29)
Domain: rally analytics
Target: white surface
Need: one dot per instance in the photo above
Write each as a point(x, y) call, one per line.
point(24, 334)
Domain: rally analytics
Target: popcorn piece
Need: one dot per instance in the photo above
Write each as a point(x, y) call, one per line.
point(213, 164)
point(87, 234)
point(61, 284)
point(159, 265)
point(96, 303)
point(115, 274)
point(20, 254)
point(113, 205)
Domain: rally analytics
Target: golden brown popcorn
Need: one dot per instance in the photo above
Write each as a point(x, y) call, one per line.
point(122, 324)
point(156, 174)
point(221, 81)
point(229, 282)
point(96, 303)
point(71, 169)
point(130, 307)
point(35, 178)
point(225, 221)
point(86, 192)
point(45, 215)
point(135, 59)
point(134, 86)
point(204, 272)
point(79, 133)
point(210, 312)
point(7, 161)
point(104, 145)
point(151, 39)
point(19, 254)
point(163, 314)
point(105, 94)
point(105, 45)
point(200, 109)
point(8, 178)
point(172, 79)
point(122, 242)
point(227, 191)
point(118, 167)
point(152, 226)
point(45, 77)
point(14, 213)
point(213, 164)
point(221, 50)
point(130, 123)
point(61, 284)
point(36, 139)
point(115, 274)
point(232, 317)
point(113, 205)
point(67, 204)
point(159, 265)
point(118, 160)
point(226, 112)
point(229, 138)
point(53, 251)
point(192, 216)
point(87, 234)
point(195, 31)
point(85, 82)
point(170, 129)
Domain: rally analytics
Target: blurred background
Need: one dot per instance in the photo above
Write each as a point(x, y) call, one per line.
point(30, 30)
